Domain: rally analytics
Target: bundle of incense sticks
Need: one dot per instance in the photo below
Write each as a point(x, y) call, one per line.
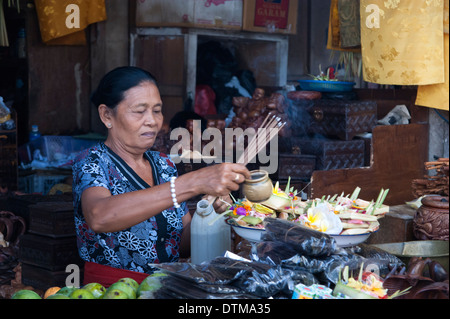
point(269, 129)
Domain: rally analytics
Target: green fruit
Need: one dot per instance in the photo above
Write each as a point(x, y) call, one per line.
point(115, 294)
point(25, 294)
point(81, 293)
point(96, 289)
point(151, 284)
point(124, 287)
point(130, 282)
point(58, 296)
point(66, 291)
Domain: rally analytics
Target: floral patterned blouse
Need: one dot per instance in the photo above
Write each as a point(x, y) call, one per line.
point(154, 240)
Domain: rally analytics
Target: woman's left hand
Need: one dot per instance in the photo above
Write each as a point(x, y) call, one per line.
point(221, 204)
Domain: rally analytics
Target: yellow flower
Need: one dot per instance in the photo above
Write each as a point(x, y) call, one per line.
point(316, 221)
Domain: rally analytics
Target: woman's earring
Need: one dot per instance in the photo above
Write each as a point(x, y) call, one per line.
point(109, 125)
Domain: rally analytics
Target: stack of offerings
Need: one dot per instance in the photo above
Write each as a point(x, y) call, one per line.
point(49, 246)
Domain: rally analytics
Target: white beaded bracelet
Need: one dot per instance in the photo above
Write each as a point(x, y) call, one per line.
point(172, 191)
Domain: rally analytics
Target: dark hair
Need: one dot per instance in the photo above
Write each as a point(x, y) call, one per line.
point(115, 83)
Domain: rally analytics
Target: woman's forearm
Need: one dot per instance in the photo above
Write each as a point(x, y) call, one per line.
point(107, 213)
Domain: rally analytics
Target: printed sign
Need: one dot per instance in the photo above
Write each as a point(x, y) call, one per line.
point(274, 12)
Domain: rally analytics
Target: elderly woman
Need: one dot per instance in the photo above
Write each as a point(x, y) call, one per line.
point(129, 203)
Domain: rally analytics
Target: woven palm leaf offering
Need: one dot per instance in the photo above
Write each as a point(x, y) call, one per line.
point(367, 285)
point(249, 214)
point(357, 216)
point(348, 219)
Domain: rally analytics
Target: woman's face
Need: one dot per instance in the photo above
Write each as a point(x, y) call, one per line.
point(137, 120)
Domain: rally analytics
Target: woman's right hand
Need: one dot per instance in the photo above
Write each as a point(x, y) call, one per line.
point(220, 179)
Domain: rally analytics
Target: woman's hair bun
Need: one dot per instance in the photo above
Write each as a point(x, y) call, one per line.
point(114, 84)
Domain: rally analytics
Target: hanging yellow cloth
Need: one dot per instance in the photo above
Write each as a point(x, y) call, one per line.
point(437, 95)
point(406, 47)
point(63, 22)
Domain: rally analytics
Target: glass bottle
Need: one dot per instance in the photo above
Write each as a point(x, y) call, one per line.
point(34, 134)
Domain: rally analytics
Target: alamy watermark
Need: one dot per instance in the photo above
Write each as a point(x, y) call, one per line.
point(74, 277)
point(373, 19)
point(73, 18)
point(235, 141)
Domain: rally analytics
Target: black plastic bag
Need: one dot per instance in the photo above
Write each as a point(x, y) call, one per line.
point(204, 273)
point(267, 284)
point(223, 278)
point(372, 252)
point(277, 281)
point(270, 279)
point(275, 250)
point(306, 263)
point(304, 240)
point(334, 266)
point(244, 265)
point(304, 277)
point(379, 260)
point(184, 289)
